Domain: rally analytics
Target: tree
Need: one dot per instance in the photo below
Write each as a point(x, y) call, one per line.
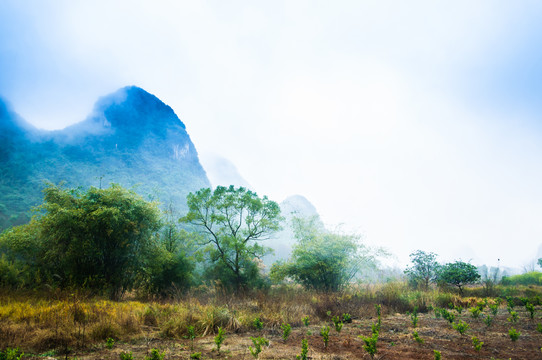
point(424, 268)
point(458, 274)
point(232, 222)
point(321, 259)
point(95, 239)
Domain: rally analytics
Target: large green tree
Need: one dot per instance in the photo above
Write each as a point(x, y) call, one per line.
point(458, 274)
point(324, 260)
point(424, 268)
point(97, 239)
point(232, 222)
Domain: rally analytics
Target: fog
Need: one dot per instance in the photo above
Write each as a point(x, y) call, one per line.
point(416, 124)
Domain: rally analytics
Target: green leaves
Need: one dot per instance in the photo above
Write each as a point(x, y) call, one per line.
point(459, 274)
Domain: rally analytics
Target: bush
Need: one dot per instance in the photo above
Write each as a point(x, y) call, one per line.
point(530, 278)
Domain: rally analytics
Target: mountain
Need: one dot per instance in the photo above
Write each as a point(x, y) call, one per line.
point(222, 171)
point(131, 138)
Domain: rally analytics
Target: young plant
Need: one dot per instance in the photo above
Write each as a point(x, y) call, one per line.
point(304, 350)
point(258, 323)
point(417, 337)
point(494, 309)
point(514, 334)
point(109, 343)
point(325, 335)
point(447, 315)
point(258, 343)
point(477, 343)
point(219, 339)
point(126, 355)
point(347, 318)
point(191, 335)
point(488, 320)
point(459, 309)
point(513, 317)
point(475, 312)
point(461, 327)
point(539, 328)
point(530, 309)
point(437, 312)
point(437, 354)
point(378, 308)
point(156, 355)
point(370, 344)
point(11, 354)
point(306, 321)
point(338, 323)
point(286, 330)
point(195, 356)
point(414, 317)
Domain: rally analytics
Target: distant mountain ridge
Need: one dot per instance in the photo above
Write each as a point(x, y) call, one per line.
point(131, 138)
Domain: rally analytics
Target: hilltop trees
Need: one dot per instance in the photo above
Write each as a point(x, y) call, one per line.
point(459, 274)
point(232, 222)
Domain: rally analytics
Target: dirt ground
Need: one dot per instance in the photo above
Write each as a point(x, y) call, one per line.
point(395, 341)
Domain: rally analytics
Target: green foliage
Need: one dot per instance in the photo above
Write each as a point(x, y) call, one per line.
point(11, 354)
point(196, 355)
point(475, 312)
point(414, 317)
point(461, 326)
point(447, 315)
point(156, 355)
point(513, 317)
point(424, 269)
point(109, 343)
point(257, 323)
point(488, 320)
point(338, 323)
point(530, 308)
point(286, 330)
point(494, 308)
point(304, 350)
point(324, 332)
point(437, 355)
point(530, 278)
point(417, 337)
point(459, 309)
point(232, 222)
point(347, 318)
point(539, 327)
point(219, 338)
point(514, 334)
point(369, 343)
point(378, 308)
point(477, 343)
point(322, 259)
point(126, 355)
point(191, 335)
point(458, 274)
point(305, 320)
point(258, 343)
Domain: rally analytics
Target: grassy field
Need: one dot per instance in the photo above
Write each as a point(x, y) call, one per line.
point(68, 325)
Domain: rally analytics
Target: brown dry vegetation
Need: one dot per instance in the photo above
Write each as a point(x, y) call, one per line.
point(72, 325)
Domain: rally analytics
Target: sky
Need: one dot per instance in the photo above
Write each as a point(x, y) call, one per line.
point(416, 124)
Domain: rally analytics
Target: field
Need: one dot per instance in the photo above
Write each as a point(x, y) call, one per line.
point(71, 325)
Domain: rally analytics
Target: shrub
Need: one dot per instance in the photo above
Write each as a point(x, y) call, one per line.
point(258, 323)
point(513, 317)
point(530, 309)
point(109, 343)
point(475, 312)
point(347, 318)
point(325, 335)
point(370, 344)
point(539, 328)
point(11, 354)
point(258, 343)
point(414, 317)
point(437, 354)
point(461, 326)
point(286, 330)
point(196, 355)
point(126, 355)
point(494, 308)
point(304, 350)
point(488, 320)
point(417, 337)
point(514, 334)
point(156, 355)
point(338, 323)
point(477, 343)
point(306, 321)
point(219, 338)
point(191, 335)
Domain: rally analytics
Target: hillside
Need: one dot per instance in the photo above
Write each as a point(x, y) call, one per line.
point(131, 138)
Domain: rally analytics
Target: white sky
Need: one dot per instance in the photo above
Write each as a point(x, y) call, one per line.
point(415, 123)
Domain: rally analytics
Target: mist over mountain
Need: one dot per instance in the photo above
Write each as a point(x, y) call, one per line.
point(131, 138)
point(222, 171)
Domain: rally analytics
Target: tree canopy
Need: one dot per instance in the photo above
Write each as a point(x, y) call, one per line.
point(424, 269)
point(321, 259)
point(232, 222)
point(458, 274)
